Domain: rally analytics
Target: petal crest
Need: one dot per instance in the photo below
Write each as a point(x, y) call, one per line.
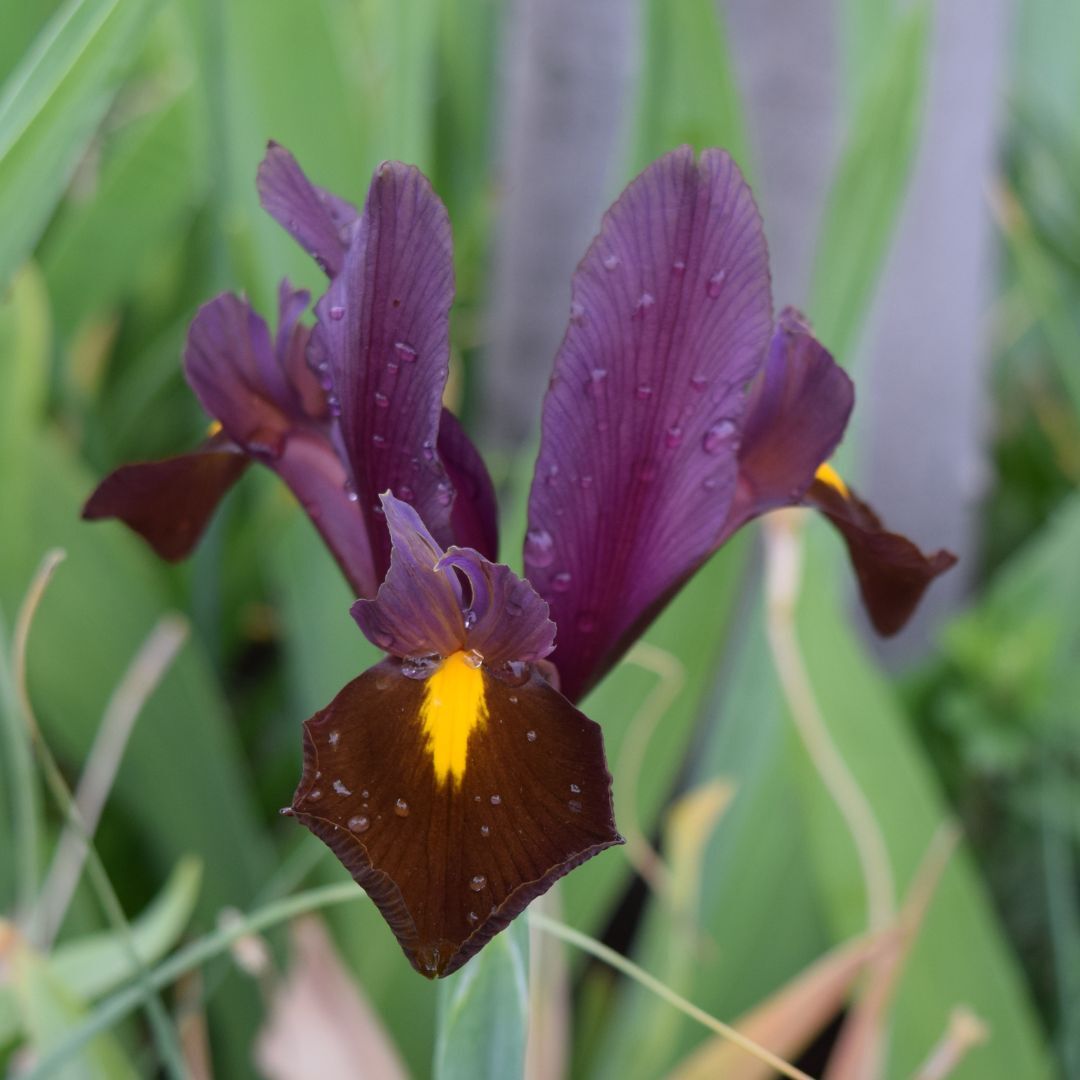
point(670, 317)
point(450, 862)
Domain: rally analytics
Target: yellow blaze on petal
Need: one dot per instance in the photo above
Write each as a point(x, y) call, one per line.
point(213, 429)
point(454, 706)
point(828, 475)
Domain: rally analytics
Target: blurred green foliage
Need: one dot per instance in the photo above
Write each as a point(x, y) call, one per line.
point(129, 135)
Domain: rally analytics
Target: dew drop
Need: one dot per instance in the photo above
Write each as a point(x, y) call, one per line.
point(443, 494)
point(496, 800)
point(699, 382)
point(513, 700)
point(644, 302)
point(678, 268)
point(406, 493)
point(575, 806)
point(715, 284)
point(314, 795)
point(337, 313)
point(531, 736)
point(392, 367)
point(474, 659)
point(468, 616)
point(575, 789)
point(341, 787)
point(485, 830)
point(473, 918)
point(586, 482)
point(577, 313)
point(611, 261)
point(539, 547)
point(643, 392)
point(378, 441)
point(428, 451)
point(551, 475)
point(333, 405)
point(401, 808)
point(673, 437)
point(360, 823)
point(586, 622)
point(381, 400)
point(333, 738)
point(718, 437)
point(560, 583)
point(477, 882)
point(405, 353)
point(709, 483)
point(351, 495)
point(365, 793)
point(420, 667)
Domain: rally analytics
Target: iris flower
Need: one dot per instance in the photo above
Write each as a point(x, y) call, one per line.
point(456, 779)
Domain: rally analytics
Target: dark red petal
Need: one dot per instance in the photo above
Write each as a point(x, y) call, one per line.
point(451, 861)
point(670, 318)
point(321, 223)
point(795, 417)
point(892, 572)
point(169, 503)
point(419, 608)
point(474, 517)
point(384, 323)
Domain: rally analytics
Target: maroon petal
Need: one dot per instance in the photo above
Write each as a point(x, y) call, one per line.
point(384, 323)
point(474, 518)
point(795, 417)
point(321, 223)
point(892, 572)
point(419, 610)
point(670, 318)
point(248, 386)
point(169, 503)
point(454, 800)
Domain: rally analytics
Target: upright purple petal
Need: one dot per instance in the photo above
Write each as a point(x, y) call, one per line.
point(474, 518)
point(796, 414)
point(267, 405)
point(670, 317)
point(321, 223)
point(169, 503)
point(384, 323)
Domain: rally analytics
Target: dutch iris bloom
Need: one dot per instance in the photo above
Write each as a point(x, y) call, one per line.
point(456, 779)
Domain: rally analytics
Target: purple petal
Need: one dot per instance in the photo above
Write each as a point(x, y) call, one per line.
point(251, 390)
point(418, 610)
point(421, 608)
point(169, 503)
point(507, 620)
point(321, 223)
point(892, 572)
point(384, 323)
point(795, 417)
point(670, 317)
point(474, 518)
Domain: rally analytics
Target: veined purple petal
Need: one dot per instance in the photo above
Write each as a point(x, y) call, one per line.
point(321, 223)
point(670, 317)
point(422, 608)
point(796, 414)
point(267, 404)
point(384, 323)
point(474, 518)
point(169, 503)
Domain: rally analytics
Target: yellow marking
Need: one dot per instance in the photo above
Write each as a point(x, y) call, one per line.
point(213, 429)
point(828, 475)
point(454, 706)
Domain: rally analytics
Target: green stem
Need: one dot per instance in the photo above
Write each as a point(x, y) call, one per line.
point(116, 1007)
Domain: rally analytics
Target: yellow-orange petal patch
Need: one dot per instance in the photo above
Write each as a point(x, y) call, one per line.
point(454, 706)
point(828, 475)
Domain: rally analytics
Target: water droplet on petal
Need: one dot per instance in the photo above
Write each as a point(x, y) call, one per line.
point(531, 736)
point(577, 313)
point(472, 917)
point(405, 353)
point(406, 493)
point(485, 830)
point(709, 483)
point(643, 392)
point(364, 794)
point(586, 622)
point(444, 495)
point(678, 267)
point(586, 481)
point(341, 787)
point(473, 659)
point(428, 451)
point(401, 808)
point(420, 667)
point(333, 738)
point(314, 795)
point(699, 382)
point(539, 547)
point(718, 437)
point(551, 475)
point(644, 302)
point(477, 882)
point(337, 313)
point(496, 800)
point(561, 582)
point(360, 823)
point(381, 400)
point(715, 284)
point(378, 441)
point(575, 789)
point(673, 437)
point(574, 806)
point(611, 261)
